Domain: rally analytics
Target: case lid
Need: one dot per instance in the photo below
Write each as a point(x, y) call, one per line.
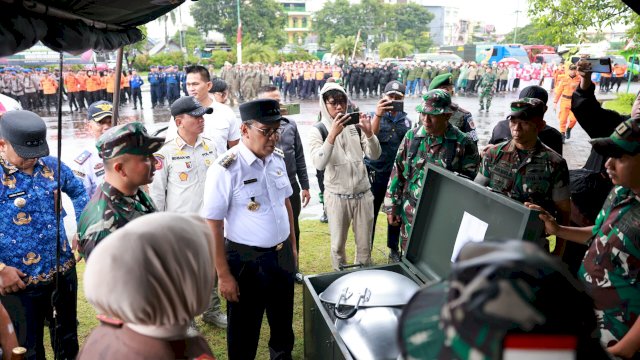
point(453, 210)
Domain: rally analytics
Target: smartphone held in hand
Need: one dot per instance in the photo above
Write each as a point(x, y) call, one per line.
point(354, 118)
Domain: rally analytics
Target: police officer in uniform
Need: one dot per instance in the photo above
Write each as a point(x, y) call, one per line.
point(28, 240)
point(181, 168)
point(154, 81)
point(173, 84)
point(162, 77)
point(88, 166)
point(247, 207)
point(136, 91)
point(127, 153)
point(390, 126)
point(461, 118)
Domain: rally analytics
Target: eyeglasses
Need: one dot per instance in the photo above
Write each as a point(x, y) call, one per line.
point(336, 103)
point(269, 132)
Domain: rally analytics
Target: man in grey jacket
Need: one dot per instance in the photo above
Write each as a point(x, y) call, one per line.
point(340, 153)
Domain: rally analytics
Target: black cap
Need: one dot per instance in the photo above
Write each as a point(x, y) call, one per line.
point(190, 106)
point(265, 111)
point(534, 91)
point(219, 86)
point(26, 132)
point(395, 87)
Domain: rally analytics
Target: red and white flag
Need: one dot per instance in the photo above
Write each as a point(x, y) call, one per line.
point(539, 347)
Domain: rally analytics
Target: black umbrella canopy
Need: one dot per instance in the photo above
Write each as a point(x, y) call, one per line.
point(76, 25)
point(633, 4)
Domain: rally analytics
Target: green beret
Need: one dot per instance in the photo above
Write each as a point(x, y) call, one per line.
point(441, 80)
point(129, 138)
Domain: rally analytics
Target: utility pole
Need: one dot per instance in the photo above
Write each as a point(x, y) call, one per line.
point(239, 36)
point(515, 32)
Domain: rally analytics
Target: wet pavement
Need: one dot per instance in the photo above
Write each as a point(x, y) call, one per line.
point(75, 137)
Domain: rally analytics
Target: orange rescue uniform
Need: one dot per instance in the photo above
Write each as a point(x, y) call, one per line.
point(49, 85)
point(563, 91)
point(71, 83)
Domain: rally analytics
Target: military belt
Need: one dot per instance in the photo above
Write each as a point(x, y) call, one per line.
point(243, 247)
point(350, 196)
point(566, 96)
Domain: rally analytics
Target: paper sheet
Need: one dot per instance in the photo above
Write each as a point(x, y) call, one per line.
point(471, 229)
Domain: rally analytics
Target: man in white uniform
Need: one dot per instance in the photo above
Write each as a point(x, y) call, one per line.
point(246, 204)
point(88, 166)
point(222, 126)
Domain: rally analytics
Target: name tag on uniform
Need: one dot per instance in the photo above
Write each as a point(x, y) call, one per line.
point(250, 181)
point(11, 196)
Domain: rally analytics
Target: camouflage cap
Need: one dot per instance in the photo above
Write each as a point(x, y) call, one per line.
point(129, 138)
point(624, 140)
point(496, 289)
point(435, 102)
point(527, 109)
point(441, 80)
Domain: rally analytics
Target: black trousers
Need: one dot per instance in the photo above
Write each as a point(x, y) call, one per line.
point(379, 189)
point(265, 279)
point(29, 309)
point(72, 100)
point(296, 207)
point(136, 95)
point(82, 95)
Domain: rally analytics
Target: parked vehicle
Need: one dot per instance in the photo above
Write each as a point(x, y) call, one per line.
point(489, 53)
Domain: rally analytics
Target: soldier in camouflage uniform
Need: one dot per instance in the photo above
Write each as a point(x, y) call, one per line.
point(611, 265)
point(461, 118)
point(487, 86)
point(127, 152)
point(525, 169)
point(436, 142)
point(497, 292)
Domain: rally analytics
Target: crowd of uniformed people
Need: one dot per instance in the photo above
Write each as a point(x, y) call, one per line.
point(241, 175)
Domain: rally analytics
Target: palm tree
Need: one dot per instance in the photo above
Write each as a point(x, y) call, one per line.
point(343, 46)
point(171, 15)
point(395, 49)
point(258, 53)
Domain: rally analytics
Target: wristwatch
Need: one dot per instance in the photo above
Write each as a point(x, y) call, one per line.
point(2, 266)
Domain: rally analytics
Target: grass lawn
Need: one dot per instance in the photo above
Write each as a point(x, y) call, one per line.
point(314, 259)
point(622, 104)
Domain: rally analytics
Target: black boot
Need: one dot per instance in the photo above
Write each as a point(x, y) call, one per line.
point(568, 133)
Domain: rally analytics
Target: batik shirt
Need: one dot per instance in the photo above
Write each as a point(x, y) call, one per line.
point(455, 151)
point(107, 211)
point(611, 267)
point(28, 218)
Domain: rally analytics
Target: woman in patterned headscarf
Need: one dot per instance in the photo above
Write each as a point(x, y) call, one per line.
point(149, 279)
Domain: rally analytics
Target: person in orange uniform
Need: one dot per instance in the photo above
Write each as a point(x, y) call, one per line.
point(49, 88)
point(111, 79)
point(93, 87)
point(81, 75)
point(126, 88)
point(566, 86)
point(103, 86)
point(618, 75)
point(73, 87)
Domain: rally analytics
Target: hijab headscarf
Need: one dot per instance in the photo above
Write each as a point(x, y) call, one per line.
point(155, 274)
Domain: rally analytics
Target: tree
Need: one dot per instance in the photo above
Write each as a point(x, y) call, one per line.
point(557, 18)
point(533, 34)
point(335, 18)
point(409, 23)
point(192, 39)
point(255, 52)
point(343, 46)
point(263, 21)
point(171, 15)
point(395, 49)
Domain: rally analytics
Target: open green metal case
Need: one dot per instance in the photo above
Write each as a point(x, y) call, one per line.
point(449, 206)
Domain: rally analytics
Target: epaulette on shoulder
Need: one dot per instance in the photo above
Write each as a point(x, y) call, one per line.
point(227, 160)
point(82, 158)
point(278, 152)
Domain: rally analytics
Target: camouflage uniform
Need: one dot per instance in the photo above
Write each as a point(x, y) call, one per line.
point(463, 120)
point(611, 266)
point(487, 87)
point(496, 290)
point(109, 209)
point(454, 151)
point(538, 175)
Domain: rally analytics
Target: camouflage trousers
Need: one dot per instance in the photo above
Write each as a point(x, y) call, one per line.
point(488, 95)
